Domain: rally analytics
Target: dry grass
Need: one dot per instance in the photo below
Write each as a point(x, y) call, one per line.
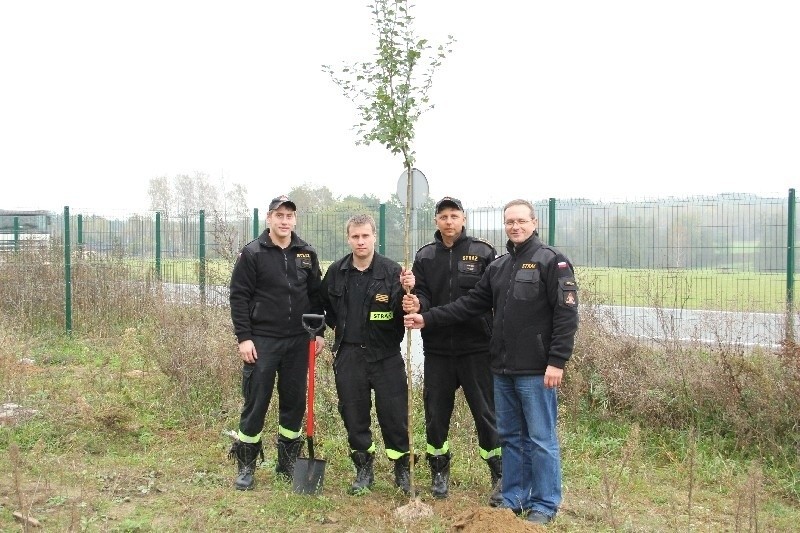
point(751, 396)
point(132, 410)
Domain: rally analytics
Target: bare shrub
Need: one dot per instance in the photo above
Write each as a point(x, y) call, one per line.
point(195, 347)
point(747, 500)
point(8, 355)
point(32, 286)
point(109, 294)
point(615, 471)
point(724, 389)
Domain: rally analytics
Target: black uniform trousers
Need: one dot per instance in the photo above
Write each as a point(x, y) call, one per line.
point(355, 378)
point(287, 359)
point(443, 376)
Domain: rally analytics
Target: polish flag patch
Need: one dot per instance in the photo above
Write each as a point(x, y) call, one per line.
point(562, 264)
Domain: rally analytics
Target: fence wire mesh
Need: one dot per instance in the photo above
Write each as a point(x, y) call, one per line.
point(723, 253)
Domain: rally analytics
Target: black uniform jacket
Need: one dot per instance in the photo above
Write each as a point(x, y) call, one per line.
point(442, 276)
point(272, 287)
point(384, 328)
point(535, 299)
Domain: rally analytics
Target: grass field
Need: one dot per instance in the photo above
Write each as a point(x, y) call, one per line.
point(120, 426)
point(124, 439)
point(672, 288)
point(686, 289)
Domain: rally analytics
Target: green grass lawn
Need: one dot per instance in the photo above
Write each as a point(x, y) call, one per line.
point(687, 289)
point(117, 445)
point(674, 288)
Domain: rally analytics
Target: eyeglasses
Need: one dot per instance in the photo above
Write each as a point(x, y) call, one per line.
point(518, 222)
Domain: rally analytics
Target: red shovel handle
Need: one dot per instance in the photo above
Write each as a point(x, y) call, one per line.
point(311, 367)
point(312, 324)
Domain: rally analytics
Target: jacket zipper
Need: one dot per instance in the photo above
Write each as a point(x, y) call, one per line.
point(289, 283)
point(508, 291)
point(450, 289)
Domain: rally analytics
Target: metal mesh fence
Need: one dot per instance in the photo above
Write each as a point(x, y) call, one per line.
point(722, 253)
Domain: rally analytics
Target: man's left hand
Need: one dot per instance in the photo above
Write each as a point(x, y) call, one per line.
point(553, 376)
point(320, 344)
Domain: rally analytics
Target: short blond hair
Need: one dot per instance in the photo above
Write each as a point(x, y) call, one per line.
point(360, 220)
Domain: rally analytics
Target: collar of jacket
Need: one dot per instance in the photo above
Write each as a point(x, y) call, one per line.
point(377, 273)
point(347, 264)
point(266, 240)
point(528, 245)
point(437, 236)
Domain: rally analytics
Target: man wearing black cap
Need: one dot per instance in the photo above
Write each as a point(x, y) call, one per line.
point(457, 355)
point(275, 280)
point(534, 297)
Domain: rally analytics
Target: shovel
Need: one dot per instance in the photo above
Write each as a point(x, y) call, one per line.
point(309, 473)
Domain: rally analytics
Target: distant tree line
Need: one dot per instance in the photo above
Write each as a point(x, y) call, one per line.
point(724, 232)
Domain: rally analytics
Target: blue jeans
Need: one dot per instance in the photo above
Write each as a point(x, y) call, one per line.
point(526, 425)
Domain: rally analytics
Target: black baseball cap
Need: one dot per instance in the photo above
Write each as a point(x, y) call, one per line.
point(448, 201)
point(281, 200)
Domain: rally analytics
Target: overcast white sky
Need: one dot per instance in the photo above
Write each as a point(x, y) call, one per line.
point(581, 99)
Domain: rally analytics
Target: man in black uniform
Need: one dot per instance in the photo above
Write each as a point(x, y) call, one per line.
point(534, 295)
point(275, 280)
point(362, 297)
point(457, 355)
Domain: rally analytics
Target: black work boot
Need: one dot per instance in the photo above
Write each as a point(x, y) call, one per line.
point(246, 455)
point(440, 474)
point(496, 470)
point(365, 475)
point(288, 452)
point(402, 474)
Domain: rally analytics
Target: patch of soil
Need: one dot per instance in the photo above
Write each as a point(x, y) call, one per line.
point(491, 520)
point(413, 510)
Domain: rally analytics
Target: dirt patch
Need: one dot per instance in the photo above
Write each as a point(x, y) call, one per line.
point(413, 510)
point(489, 520)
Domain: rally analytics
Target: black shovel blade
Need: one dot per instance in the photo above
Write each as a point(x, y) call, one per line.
point(308, 476)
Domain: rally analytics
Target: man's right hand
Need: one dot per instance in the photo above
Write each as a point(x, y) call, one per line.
point(247, 351)
point(410, 303)
point(414, 321)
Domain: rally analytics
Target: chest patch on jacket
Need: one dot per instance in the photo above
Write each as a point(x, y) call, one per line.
point(469, 267)
point(383, 298)
point(469, 257)
point(530, 266)
point(303, 260)
point(381, 315)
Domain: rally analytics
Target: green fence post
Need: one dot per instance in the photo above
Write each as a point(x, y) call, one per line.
point(158, 245)
point(202, 269)
point(67, 275)
point(255, 223)
point(80, 231)
point(790, 266)
point(551, 222)
point(16, 234)
point(382, 229)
